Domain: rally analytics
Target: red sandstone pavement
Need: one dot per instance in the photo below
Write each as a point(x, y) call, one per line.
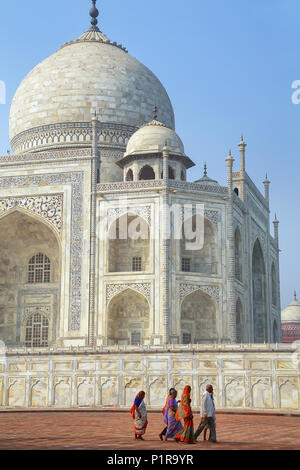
point(114, 431)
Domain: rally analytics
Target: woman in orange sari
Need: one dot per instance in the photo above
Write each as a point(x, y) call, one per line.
point(139, 414)
point(184, 412)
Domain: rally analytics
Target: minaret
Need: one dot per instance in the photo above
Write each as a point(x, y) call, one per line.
point(267, 189)
point(95, 168)
point(231, 313)
point(229, 161)
point(242, 146)
point(276, 229)
point(166, 161)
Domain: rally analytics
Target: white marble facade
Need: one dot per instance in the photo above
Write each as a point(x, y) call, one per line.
point(72, 179)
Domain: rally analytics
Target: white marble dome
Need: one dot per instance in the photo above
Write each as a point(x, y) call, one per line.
point(152, 137)
point(292, 312)
point(88, 74)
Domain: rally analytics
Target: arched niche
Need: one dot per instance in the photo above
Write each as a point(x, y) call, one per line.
point(171, 173)
point(147, 173)
point(274, 285)
point(238, 255)
point(239, 321)
point(128, 317)
point(198, 319)
point(202, 260)
point(23, 237)
point(276, 337)
point(129, 175)
point(129, 244)
point(259, 294)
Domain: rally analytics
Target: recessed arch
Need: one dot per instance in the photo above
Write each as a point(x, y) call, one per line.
point(274, 285)
point(146, 173)
point(171, 174)
point(22, 236)
point(238, 255)
point(204, 260)
point(199, 318)
point(129, 244)
point(129, 175)
point(33, 215)
point(276, 338)
point(128, 318)
point(239, 321)
point(259, 294)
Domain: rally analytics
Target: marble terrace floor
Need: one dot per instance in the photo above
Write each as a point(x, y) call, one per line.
point(114, 430)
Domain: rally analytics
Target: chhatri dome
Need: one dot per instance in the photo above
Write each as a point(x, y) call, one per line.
point(290, 320)
point(87, 74)
point(292, 312)
point(152, 137)
point(143, 156)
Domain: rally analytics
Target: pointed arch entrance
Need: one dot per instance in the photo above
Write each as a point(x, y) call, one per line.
point(259, 294)
point(29, 278)
point(128, 318)
point(198, 319)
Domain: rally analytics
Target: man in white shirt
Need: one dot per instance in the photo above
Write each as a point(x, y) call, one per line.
point(208, 415)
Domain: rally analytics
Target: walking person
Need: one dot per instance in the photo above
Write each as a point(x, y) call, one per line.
point(164, 410)
point(139, 414)
point(208, 415)
point(184, 412)
point(174, 426)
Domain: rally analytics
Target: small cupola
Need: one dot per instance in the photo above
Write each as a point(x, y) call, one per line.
point(143, 159)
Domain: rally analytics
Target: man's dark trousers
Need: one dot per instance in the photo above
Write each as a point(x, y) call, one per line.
point(210, 422)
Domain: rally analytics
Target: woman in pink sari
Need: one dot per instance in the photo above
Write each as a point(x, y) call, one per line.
point(139, 414)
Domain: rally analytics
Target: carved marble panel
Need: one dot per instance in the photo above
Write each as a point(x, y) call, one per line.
point(48, 206)
point(235, 392)
point(158, 390)
point(212, 291)
point(85, 391)
point(109, 391)
point(39, 390)
point(143, 288)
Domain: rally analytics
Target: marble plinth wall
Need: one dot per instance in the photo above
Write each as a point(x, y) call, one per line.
point(258, 377)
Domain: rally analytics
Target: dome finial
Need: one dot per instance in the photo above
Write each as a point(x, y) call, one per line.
point(295, 295)
point(94, 13)
point(155, 113)
point(205, 169)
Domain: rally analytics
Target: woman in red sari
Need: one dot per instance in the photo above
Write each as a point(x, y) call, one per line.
point(184, 412)
point(139, 414)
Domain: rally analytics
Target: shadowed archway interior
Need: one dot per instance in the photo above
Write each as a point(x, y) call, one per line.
point(29, 278)
point(259, 294)
point(198, 319)
point(128, 318)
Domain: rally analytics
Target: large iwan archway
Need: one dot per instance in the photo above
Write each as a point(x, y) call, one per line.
point(29, 280)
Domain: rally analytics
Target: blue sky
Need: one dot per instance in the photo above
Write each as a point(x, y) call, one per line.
point(227, 65)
